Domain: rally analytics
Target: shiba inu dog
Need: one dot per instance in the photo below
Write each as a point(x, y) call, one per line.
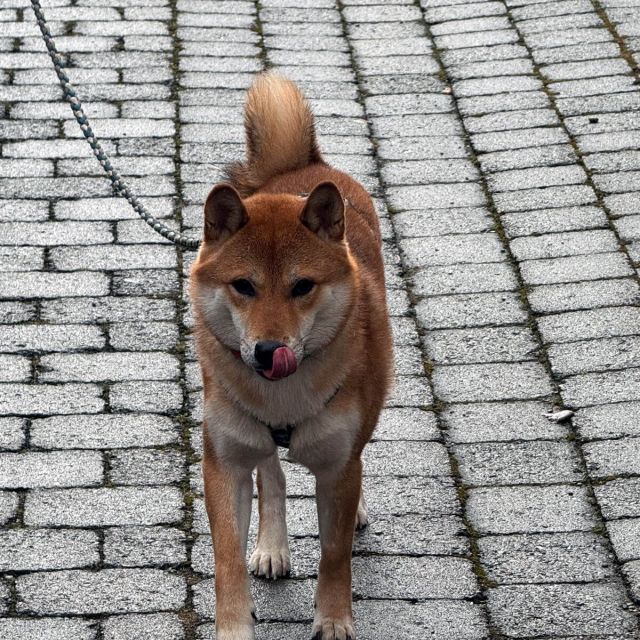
point(295, 348)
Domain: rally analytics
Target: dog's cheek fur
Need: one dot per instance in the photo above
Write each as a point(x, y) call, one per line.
point(221, 317)
point(329, 315)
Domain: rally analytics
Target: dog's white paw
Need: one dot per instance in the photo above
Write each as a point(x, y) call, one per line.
point(240, 632)
point(362, 517)
point(329, 629)
point(270, 561)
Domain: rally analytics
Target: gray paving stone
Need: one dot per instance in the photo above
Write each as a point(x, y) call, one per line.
point(448, 250)
point(400, 458)
point(568, 609)
point(109, 366)
point(435, 222)
point(483, 382)
point(607, 458)
point(146, 396)
point(583, 295)
point(530, 509)
point(608, 421)
point(517, 139)
point(531, 223)
point(14, 368)
point(601, 388)
point(518, 463)
point(436, 196)
point(53, 285)
point(464, 278)
point(406, 424)
point(103, 507)
point(102, 431)
point(34, 400)
point(145, 467)
point(415, 577)
point(106, 591)
point(50, 628)
point(536, 178)
point(12, 433)
point(8, 506)
point(435, 619)
point(546, 558)
point(43, 549)
point(144, 546)
point(420, 171)
point(595, 355)
point(619, 498)
point(107, 257)
point(525, 199)
point(544, 156)
point(509, 120)
point(469, 310)
point(43, 337)
point(498, 422)
point(152, 626)
point(575, 268)
point(625, 537)
point(490, 344)
point(27, 470)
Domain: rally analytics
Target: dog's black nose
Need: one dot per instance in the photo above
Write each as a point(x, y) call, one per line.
point(264, 352)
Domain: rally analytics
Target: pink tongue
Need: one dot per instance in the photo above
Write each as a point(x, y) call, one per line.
point(283, 364)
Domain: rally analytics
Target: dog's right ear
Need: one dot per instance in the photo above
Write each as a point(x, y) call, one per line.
point(224, 213)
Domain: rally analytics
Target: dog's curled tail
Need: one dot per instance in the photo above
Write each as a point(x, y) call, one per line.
point(280, 133)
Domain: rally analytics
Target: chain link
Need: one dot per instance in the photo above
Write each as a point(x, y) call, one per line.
point(120, 187)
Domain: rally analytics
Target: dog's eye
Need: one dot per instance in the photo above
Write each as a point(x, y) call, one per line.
point(302, 287)
point(244, 287)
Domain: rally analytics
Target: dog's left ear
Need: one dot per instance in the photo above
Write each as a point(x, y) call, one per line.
point(324, 212)
point(224, 213)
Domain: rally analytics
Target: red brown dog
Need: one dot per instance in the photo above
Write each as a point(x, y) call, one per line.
point(294, 343)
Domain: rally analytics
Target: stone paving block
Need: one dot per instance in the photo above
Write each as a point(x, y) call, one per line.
point(105, 431)
point(15, 368)
point(543, 156)
point(410, 391)
point(536, 178)
point(147, 336)
point(530, 509)
point(587, 609)
point(41, 399)
point(103, 507)
point(146, 396)
point(45, 549)
point(625, 538)
point(483, 382)
point(53, 285)
point(608, 458)
point(50, 628)
point(448, 250)
point(406, 424)
point(531, 223)
point(435, 222)
point(109, 366)
point(105, 257)
point(149, 282)
point(145, 467)
point(415, 577)
point(608, 421)
point(152, 626)
point(401, 458)
point(575, 268)
point(595, 355)
point(562, 196)
point(546, 558)
point(469, 310)
point(464, 278)
point(601, 388)
point(12, 433)
point(509, 120)
point(43, 337)
point(436, 196)
point(8, 506)
point(498, 422)
point(106, 591)
point(583, 295)
point(518, 463)
point(144, 546)
point(491, 344)
point(27, 470)
point(422, 148)
point(420, 171)
point(619, 498)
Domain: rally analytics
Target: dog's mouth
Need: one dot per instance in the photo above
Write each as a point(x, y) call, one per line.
point(283, 364)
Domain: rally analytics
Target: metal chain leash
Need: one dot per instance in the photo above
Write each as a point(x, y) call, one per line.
point(119, 185)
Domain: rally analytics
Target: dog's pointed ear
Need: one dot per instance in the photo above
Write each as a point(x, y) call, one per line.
point(224, 213)
point(324, 212)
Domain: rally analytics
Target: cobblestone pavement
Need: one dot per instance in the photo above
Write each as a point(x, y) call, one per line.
point(500, 139)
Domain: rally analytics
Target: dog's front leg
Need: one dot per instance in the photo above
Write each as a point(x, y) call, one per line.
point(228, 491)
point(337, 496)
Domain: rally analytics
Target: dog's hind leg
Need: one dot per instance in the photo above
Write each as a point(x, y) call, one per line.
point(271, 557)
point(362, 515)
